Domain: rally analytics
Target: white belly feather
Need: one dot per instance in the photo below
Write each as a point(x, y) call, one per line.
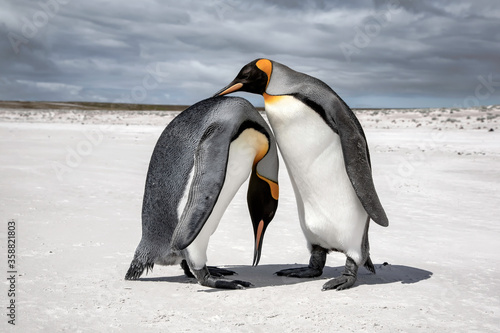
point(330, 213)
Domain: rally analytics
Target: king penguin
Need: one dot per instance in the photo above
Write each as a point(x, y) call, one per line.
point(199, 162)
point(326, 155)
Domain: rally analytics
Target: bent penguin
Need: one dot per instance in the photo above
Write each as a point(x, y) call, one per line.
point(199, 162)
point(326, 155)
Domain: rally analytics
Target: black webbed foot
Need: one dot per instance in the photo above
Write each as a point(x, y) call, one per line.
point(346, 280)
point(315, 268)
point(205, 278)
point(300, 272)
point(227, 284)
point(219, 272)
point(214, 271)
point(340, 283)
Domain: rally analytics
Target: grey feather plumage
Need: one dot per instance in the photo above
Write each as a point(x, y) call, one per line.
point(198, 137)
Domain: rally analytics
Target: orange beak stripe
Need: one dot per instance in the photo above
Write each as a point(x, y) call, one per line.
point(259, 233)
point(232, 89)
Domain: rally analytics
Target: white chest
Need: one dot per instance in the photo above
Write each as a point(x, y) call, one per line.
point(311, 150)
point(330, 213)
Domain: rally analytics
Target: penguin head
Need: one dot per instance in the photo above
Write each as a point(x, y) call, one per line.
point(262, 201)
point(262, 195)
point(253, 78)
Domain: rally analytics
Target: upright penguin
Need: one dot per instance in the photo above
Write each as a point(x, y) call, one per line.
point(326, 155)
point(198, 164)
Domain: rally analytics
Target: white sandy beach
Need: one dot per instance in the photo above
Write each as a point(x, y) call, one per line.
point(73, 182)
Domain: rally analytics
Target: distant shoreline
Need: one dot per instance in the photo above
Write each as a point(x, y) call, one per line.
point(44, 105)
point(50, 105)
point(483, 117)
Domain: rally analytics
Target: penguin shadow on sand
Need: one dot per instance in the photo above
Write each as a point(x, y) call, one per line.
point(387, 273)
point(264, 276)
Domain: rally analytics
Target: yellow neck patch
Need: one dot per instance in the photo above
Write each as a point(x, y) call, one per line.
point(261, 152)
point(266, 66)
point(270, 99)
point(274, 187)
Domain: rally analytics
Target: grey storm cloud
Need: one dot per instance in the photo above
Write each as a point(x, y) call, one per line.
point(385, 53)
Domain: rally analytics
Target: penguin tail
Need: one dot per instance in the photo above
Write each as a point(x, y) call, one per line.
point(369, 265)
point(136, 269)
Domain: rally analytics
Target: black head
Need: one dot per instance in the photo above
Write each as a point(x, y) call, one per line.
point(262, 200)
point(252, 78)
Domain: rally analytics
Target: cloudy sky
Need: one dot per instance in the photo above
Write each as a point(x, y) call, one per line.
point(380, 53)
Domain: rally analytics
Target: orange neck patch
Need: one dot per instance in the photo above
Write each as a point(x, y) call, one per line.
point(272, 98)
point(261, 152)
point(266, 66)
point(274, 187)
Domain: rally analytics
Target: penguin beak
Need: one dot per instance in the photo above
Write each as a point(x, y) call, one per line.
point(259, 237)
point(232, 87)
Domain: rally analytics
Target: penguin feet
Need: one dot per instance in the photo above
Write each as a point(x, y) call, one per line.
point(301, 272)
point(315, 268)
point(346, 280)
point(220, 272)
point(340, 283)
point(226, 284)
point(205, 278)
point(214, 271)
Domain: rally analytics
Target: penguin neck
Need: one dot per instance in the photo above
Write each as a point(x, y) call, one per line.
point(278, 111)
point(271, 99)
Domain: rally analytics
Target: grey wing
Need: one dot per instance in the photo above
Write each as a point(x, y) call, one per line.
point(357, 162)
point(209, 174)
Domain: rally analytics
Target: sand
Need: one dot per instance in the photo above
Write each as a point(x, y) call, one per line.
point(73, 183)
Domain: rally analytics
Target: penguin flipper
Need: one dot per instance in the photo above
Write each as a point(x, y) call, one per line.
point(357, 162)
point(205, 186)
